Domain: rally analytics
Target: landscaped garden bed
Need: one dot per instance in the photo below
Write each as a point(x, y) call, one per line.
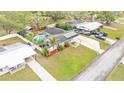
point(67, 63)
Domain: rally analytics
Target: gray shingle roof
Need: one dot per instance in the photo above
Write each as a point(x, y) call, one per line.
point(54, 30)
point(66, 36)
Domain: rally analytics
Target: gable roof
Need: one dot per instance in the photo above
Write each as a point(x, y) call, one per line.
point(89, 26)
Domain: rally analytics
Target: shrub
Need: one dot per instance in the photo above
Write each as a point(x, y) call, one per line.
point(29, 36)
point(65, 26)
point(117, 38)
point(39, 42)
point(60, 47)
point(98, 29)
point(67, 44)
point(46, 52)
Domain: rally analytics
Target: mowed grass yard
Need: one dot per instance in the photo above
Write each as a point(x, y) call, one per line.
point(67, 63)
point(117, 74)
point(24, 75)
point(115, 33)
point(10, 41)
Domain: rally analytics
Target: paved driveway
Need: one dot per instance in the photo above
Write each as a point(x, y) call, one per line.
point(104, 65)
point(40, 71)
point(88, 42)
point(110, 41)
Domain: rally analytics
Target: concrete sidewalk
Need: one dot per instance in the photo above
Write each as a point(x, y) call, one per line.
point(110, 41)
point(40, 71)
point(105, 64)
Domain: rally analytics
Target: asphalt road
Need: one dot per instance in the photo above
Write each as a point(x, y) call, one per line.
point(103, 65)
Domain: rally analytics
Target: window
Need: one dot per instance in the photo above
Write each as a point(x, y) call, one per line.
point(12, 68)
point(20, 65)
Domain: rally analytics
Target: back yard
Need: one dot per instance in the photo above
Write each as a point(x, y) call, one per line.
point(67, 63)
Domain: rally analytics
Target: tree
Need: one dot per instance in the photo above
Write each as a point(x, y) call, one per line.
point(106, 17)
point(30, 36)
point(53, 41)
point(9, 25)
point(45, 52)
point(65, 26)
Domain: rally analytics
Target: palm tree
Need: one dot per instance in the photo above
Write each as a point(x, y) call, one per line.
point(45, 52)
point(53, 41)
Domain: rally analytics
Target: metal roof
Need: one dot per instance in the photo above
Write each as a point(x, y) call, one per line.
point(89, 26)
point(15, 54)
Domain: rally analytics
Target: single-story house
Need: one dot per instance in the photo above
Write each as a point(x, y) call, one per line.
point(54, 31)
point(89, 26)
point(14, 57)
point(66, 36)
point(75, 22)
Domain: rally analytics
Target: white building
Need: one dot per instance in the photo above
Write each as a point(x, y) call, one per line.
point(14, 57)
point(89, 26)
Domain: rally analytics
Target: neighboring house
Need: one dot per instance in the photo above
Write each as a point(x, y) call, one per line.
point(55, 31)
point(89, 26)
point(14, 57)
point(74, 23)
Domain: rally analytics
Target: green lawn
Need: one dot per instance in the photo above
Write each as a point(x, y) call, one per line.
point(10, 41)
point(103, 45)
point(67, 63)
point(117, 33)
point(117, 74)
point(24, 75)
point(2, 33)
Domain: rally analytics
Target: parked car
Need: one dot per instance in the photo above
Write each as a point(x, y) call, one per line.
point(93, 32)
point(76, 31)
point(86, 33)
point(104, 34)
point(100, 36)
point(97, 33)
